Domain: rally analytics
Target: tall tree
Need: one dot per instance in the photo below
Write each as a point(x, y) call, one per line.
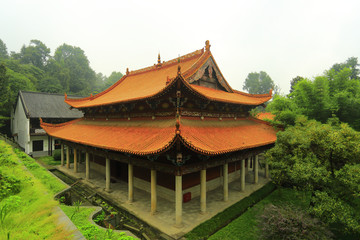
point(3, 50)
point(36, 53)
point(293, 82)
point(113, 78)
point(258, 83)
point(81, 77)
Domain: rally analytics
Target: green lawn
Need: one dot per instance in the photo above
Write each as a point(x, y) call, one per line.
point(245, 226)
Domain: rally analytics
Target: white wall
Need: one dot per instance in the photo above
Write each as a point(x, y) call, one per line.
point(21, 127)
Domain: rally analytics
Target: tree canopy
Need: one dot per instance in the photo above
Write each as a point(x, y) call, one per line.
point(259, 83)
point(324, 159)
point(336, 92)
point(34, 69)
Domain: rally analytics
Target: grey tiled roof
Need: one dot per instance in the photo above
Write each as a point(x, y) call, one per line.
point(47, 105)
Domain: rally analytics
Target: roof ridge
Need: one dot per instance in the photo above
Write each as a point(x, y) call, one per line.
point(46, 93)
point(169, 62)
point(253, 95)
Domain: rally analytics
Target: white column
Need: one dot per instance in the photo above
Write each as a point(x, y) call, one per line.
point(130, 183)
point(242, 175)
point(226, 181)
point(62, 154)
point(266, 169)
point(87, 166)
point(178, 201)
point(107, 175)
point(203, 191)
point(153, 192)
point(67, 157)
point(256, 169)
point(75, 160)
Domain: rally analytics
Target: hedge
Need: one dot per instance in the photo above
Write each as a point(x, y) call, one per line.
point(206, 229)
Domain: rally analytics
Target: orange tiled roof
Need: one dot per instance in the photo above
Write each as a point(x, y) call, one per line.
point(150, 81)
point(146, 136)
point(218, 137)
point(265, 115)
point(135, 136)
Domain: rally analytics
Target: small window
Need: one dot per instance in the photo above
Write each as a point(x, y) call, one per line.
point(38, 145)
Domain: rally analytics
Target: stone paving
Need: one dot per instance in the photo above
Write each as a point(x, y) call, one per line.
point(164, 219)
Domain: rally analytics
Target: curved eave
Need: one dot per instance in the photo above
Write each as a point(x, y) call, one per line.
point(93, 139)
point(215, 153)
point(264, 97)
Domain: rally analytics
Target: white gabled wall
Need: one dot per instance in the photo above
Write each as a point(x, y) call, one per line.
point(21, 126)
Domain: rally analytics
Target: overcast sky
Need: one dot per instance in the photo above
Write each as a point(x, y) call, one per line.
point(283, 38)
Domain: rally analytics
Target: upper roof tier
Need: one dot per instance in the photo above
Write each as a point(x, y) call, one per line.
point(151, 81)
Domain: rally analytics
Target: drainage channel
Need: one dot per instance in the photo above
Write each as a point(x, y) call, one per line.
point(112, 215)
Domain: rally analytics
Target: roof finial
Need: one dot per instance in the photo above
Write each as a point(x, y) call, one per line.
point(127, 71)
point(159, 59)
point(179, 70)
point(207, 45)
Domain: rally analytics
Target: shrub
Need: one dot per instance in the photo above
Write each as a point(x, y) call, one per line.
point(57, 155)
point(289, 222)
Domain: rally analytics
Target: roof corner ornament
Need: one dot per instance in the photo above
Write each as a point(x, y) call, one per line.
point(65, 96)
point(167, 80)
point(179, 71)
point(127, 71)
point(270, 92)
point(41, 121)
point(207, 45)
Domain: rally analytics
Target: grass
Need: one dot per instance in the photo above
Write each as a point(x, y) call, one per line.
point(206, 229)
point(90, 231)
point(53, 184)
point(245, 226)
point(33, 217)
point(49, 160)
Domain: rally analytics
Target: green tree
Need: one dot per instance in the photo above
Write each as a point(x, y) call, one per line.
point(113, 78)
point(78, 77)
point(293, 82)
point(3, 50)
point(324, 159)
point(258, 83)
point(36, 53)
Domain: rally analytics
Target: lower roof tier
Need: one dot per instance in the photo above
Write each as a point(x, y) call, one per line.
point(146, 136)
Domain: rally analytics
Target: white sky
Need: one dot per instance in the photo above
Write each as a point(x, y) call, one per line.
point(283, 38)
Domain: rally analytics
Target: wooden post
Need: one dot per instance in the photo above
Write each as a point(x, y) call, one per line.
point(226, 181)
point(203, 190)
point(75, 160)
point(256, 169)
point(107, 175)
point(67, 157)
point(62, 154)
point(130, 183)
point(153, 192)
point(248, 165)
point(178, 201)
point(87, 166)
point(242, 175)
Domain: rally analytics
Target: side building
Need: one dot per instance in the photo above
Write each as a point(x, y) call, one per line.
point(25, 123)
